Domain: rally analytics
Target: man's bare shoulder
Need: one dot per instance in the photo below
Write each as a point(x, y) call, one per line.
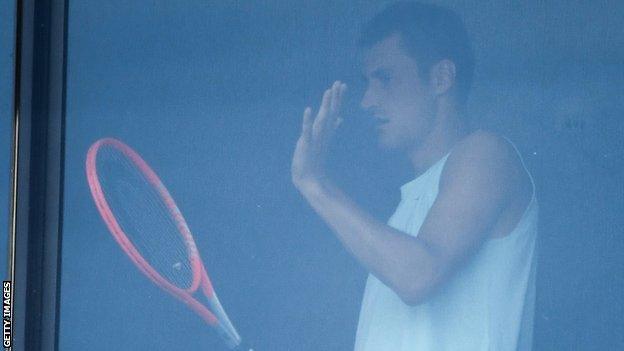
point(480, 188)
point(486, 156)
point(482, 144)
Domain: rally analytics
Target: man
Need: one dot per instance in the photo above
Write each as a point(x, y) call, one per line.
point(454, 268)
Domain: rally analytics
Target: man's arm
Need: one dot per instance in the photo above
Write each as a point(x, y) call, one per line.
point(480, 178)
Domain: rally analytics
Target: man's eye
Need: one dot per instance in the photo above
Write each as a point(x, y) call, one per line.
point(384, 79)
point(379, 77)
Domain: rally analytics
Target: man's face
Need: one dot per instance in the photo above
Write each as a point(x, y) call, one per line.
point(399, 98)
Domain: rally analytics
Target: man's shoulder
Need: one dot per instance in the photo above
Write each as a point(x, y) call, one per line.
point(488, 155)
point(482, 144)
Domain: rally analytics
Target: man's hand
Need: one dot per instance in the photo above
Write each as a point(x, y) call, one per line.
point(308, 164)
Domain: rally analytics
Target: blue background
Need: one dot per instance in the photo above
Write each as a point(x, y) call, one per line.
point(211, 95)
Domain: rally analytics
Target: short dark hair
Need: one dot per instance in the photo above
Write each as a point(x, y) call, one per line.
point(431, 33)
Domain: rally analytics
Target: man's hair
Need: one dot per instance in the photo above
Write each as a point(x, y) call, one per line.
point(430, 34)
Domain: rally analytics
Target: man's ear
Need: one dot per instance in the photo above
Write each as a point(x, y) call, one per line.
point(443, 76)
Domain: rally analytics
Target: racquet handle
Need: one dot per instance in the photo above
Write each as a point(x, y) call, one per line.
point(243, 347)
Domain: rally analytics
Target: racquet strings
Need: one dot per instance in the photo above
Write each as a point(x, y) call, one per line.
point(143, 216)
point(148, 223)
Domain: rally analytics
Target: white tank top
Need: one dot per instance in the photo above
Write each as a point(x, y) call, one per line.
point(486, 306)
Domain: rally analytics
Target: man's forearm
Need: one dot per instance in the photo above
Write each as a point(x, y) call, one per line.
point(404, 263)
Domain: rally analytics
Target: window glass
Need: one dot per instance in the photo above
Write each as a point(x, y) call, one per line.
point(211, 96)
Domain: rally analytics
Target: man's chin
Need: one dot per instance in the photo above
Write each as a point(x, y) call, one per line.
point(386, 144)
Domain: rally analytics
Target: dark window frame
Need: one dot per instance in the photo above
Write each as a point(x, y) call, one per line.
point(40, 66)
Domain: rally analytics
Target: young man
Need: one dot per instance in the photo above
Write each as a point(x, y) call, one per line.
point(454, 268)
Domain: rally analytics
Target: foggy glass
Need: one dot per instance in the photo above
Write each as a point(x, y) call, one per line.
point(211, 95)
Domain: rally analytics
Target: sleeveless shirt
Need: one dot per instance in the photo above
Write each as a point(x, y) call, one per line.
point(487, 305)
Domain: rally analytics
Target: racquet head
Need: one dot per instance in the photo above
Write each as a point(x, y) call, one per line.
point(145, 221)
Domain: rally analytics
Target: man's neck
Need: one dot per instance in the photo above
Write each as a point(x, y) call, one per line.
point(448, 129)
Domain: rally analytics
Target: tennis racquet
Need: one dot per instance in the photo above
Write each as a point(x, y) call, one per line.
point(148, 226)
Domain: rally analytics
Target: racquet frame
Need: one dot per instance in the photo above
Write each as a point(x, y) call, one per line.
point(217, 317)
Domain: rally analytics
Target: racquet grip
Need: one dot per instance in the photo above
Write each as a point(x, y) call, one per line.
point(243, 346)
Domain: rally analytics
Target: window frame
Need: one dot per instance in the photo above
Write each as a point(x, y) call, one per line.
point(36, 213)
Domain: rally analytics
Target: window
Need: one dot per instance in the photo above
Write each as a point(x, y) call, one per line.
point(211, 96)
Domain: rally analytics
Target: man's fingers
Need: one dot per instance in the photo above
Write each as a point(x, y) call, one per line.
point(321, 116)
point(342, 88)
point(335, 90)
point(327, 116)
point(325, 102)
point(338, 90)
point(307, 122)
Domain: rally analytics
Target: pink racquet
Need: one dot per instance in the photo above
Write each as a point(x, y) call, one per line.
point(147, 224)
